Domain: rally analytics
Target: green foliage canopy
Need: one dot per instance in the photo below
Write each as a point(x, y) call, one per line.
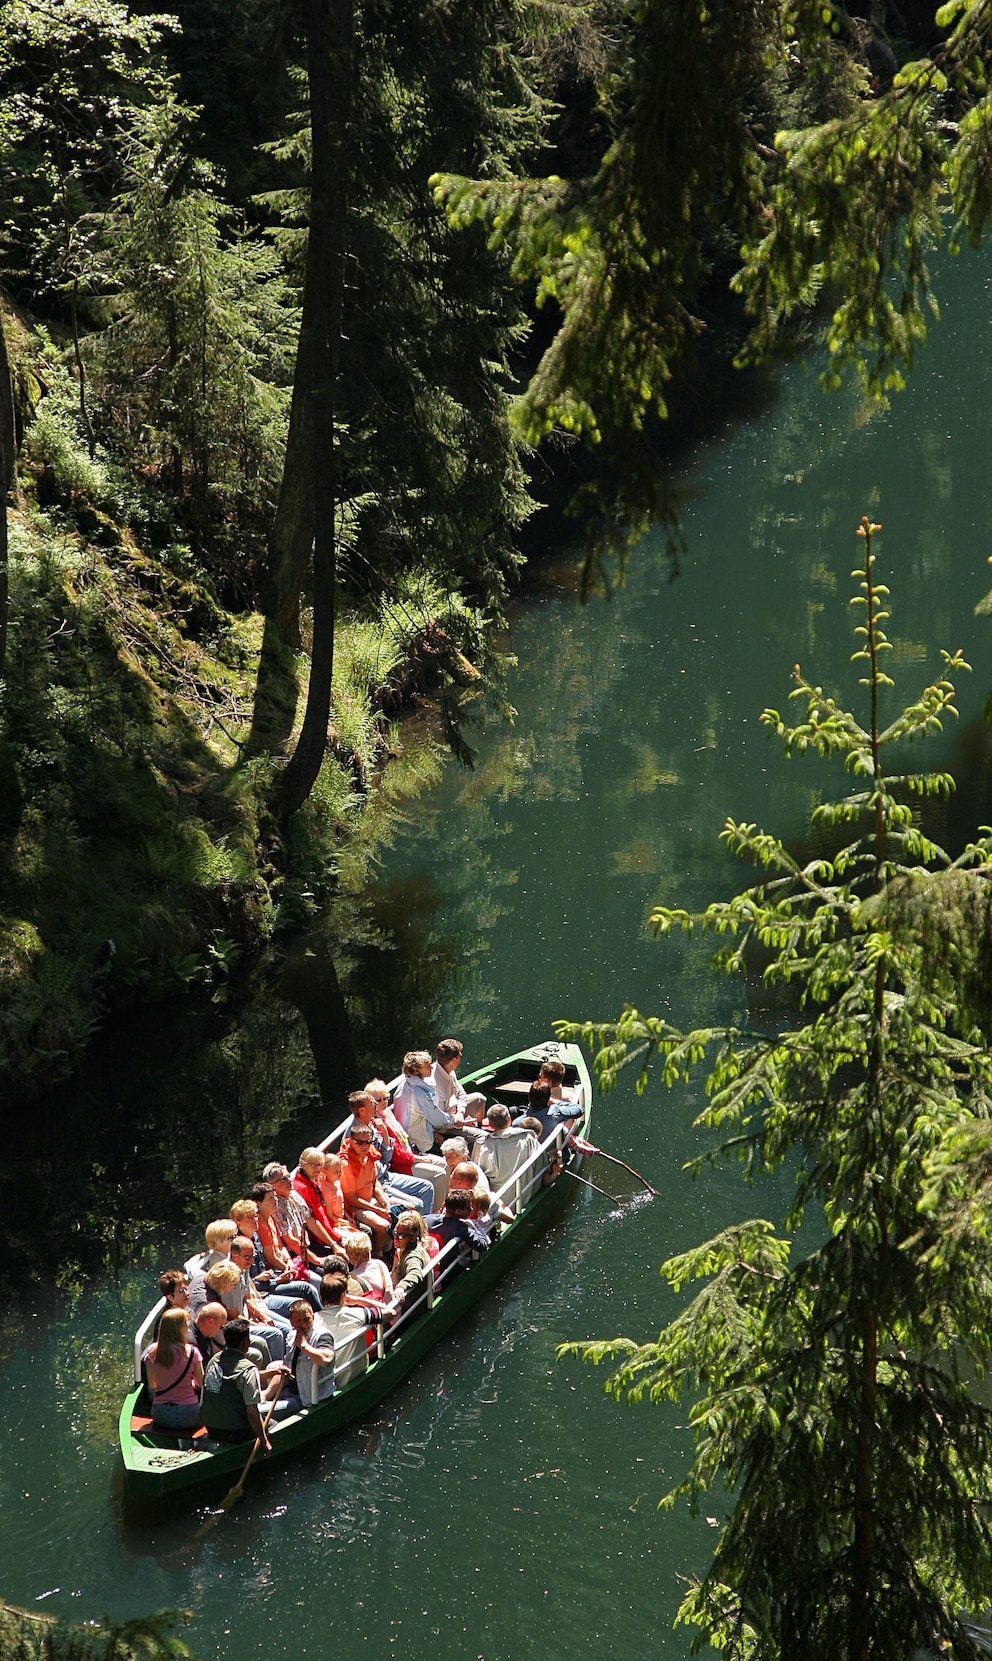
point(423, 440)
point(73, 72)
point(757, 145)
point(196, 362)
point(687, 94)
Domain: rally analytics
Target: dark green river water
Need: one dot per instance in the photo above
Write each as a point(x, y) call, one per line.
point(499, 1505)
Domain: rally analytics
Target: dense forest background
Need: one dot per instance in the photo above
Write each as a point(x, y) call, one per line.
point(165, 324)
point(291, 299)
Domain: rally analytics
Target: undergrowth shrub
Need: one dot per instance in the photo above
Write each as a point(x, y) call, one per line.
point(49, 1009)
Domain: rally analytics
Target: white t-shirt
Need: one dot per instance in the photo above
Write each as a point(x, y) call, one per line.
point(347, 1327)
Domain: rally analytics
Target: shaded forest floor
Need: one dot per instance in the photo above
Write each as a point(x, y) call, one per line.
point(138, 853)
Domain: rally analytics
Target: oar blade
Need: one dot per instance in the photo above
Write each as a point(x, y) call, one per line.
point(230, 1498)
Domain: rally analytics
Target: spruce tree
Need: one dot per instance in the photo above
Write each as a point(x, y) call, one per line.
point(685, 96)
point(830, 1385)
point(194, 367)
point(26, 1635)
point(73, 74)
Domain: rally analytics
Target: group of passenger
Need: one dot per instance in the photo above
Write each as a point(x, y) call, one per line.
point(279, 1309)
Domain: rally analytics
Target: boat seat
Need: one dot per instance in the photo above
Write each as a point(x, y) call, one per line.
point(140, 1423)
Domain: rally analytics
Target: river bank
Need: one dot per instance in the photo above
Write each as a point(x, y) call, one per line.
point(140, 856)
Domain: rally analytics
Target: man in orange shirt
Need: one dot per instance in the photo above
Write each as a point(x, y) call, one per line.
point(364, 1198)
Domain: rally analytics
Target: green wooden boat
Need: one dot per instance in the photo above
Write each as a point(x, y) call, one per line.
point(158, 1463)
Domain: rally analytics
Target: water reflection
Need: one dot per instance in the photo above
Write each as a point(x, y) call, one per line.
point(160, 1130)
point(638, 730)
point(178, 1108)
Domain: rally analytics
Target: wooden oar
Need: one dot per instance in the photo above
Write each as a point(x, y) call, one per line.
point(589, 1148)
point(576, 1178)
point(635, 1174)
point(234, 1494)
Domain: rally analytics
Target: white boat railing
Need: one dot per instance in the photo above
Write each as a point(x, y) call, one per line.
point(439, 1271)
point(336, 1136)
point(450, 1260)
point(142, 1336)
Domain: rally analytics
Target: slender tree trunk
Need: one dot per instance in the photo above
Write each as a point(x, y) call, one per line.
point(277, 693)
point(176, 455)
point(330, 33)
point(292, 535)
point(864, 1498)
point(291, 541)
point(84, 414)
point(7, 462)
point(864, 1511)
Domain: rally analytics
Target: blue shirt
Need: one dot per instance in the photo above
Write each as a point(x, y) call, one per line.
point(457, 1228)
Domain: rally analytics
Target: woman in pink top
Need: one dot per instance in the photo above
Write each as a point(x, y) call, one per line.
point(175, 1374)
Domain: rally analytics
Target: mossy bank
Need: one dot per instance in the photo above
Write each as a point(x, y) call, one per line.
point(139, 745)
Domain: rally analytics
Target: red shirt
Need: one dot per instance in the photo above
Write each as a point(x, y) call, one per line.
point(311, 1195)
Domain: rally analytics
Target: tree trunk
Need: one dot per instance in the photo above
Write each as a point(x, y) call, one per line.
point(7, 463)
point(277, 692)
point(292, 532)
point(864, 1511)
point(293, 529)
point(175, 454)
point(864, 1466)
point(84, 414)
point(330, 31)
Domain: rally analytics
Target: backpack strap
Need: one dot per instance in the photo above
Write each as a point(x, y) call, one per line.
point(177, 1381)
